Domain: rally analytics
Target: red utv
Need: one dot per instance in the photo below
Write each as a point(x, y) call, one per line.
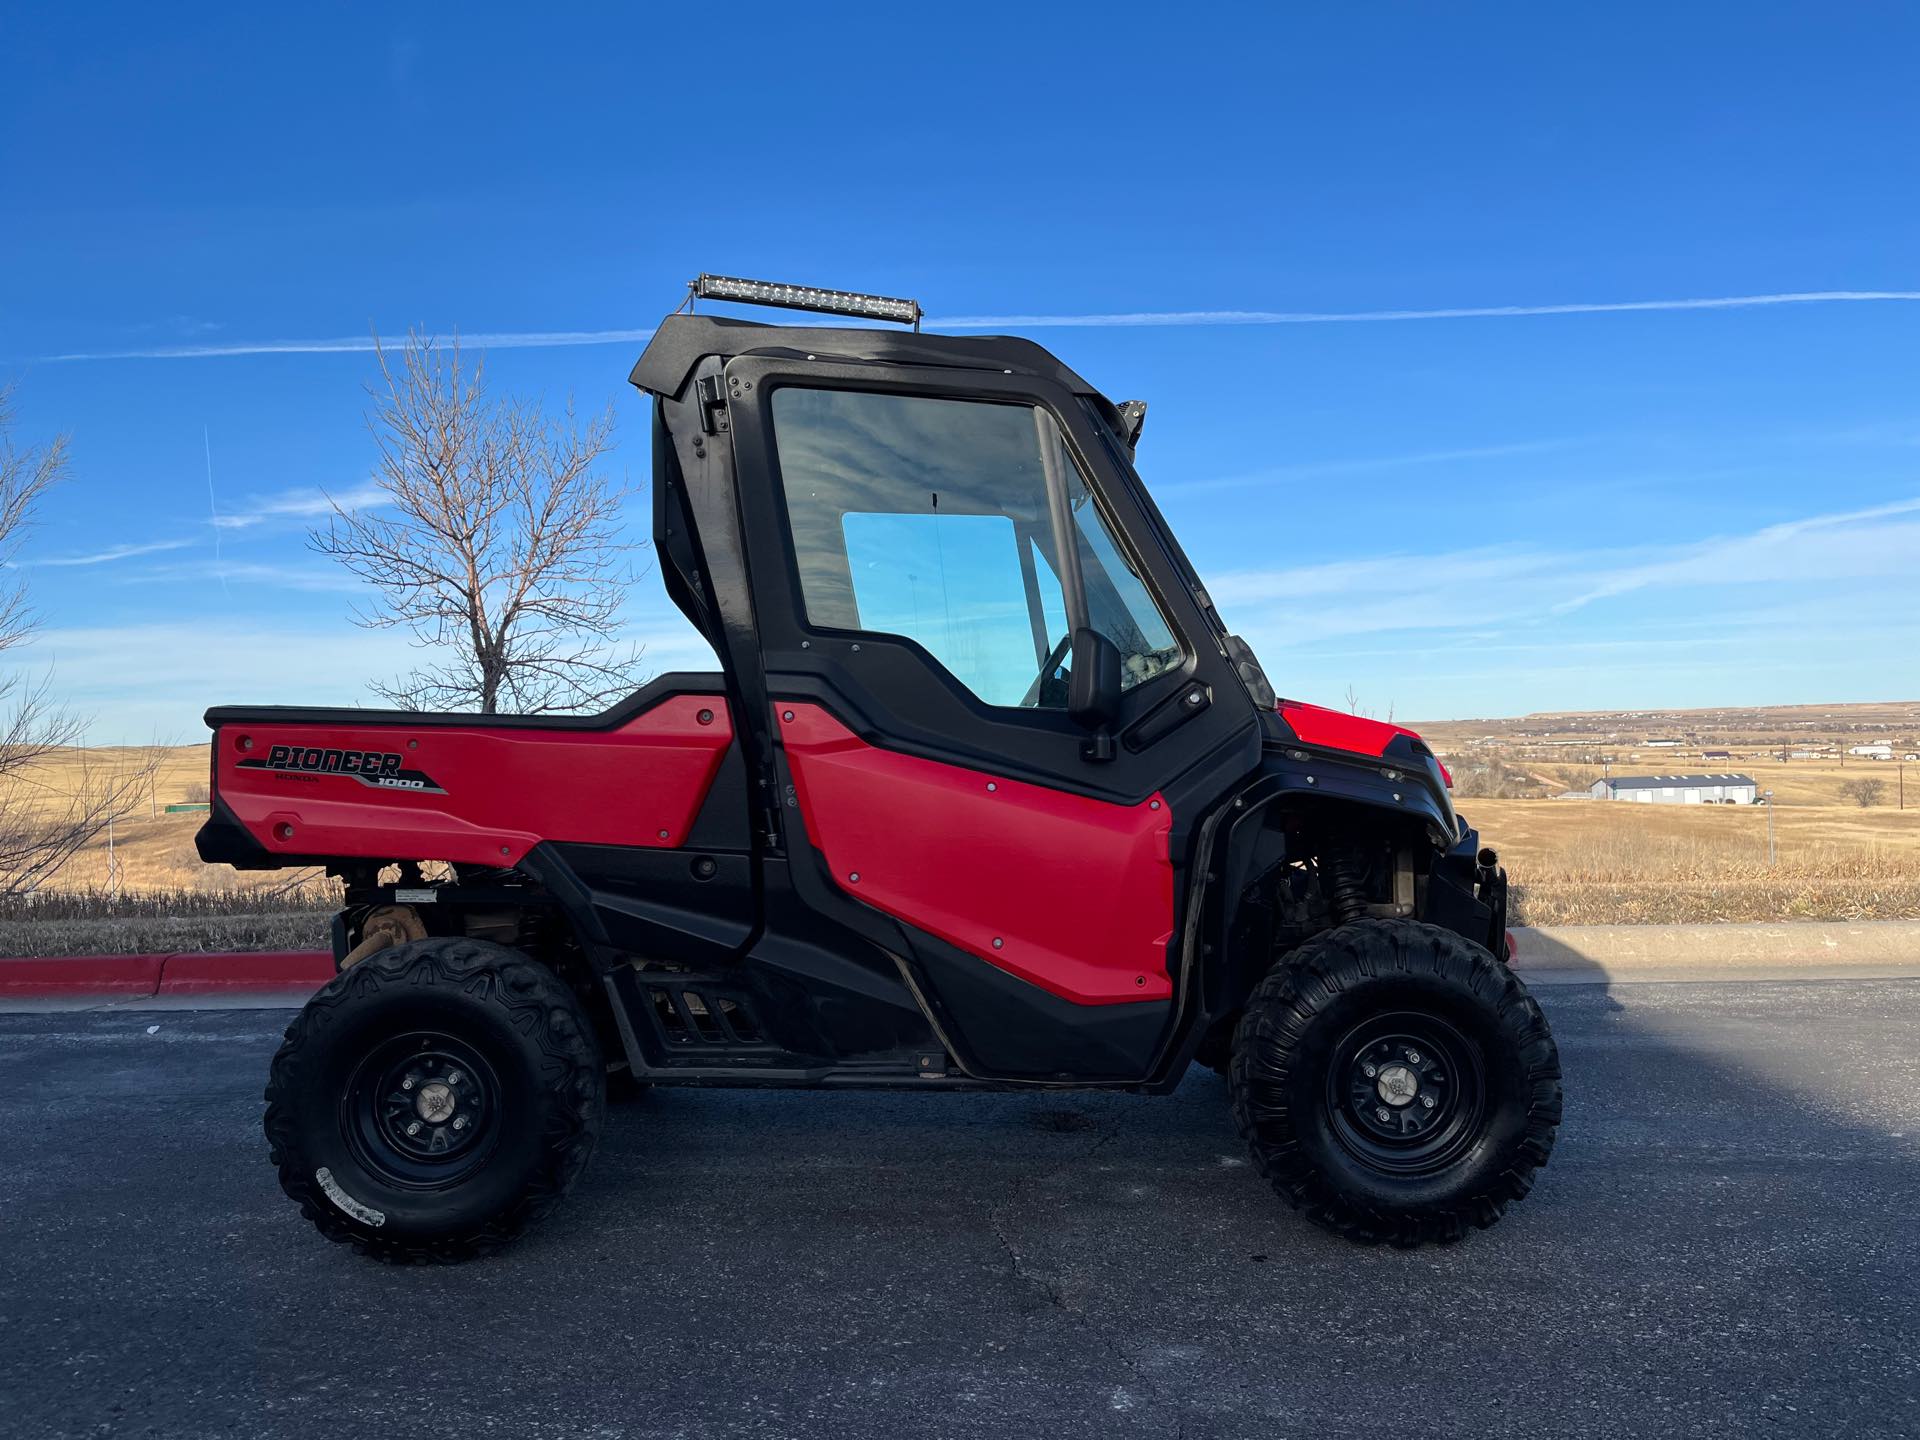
point(984, 797)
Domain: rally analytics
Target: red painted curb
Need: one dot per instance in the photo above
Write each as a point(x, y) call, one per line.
point(168, 974)
point(81, 975)
point(262, 970)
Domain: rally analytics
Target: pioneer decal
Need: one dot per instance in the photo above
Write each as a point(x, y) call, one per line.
point(381, 769)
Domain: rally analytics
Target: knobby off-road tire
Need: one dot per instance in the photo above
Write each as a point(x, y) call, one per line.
point(483, 1052)
point(1338, 1054)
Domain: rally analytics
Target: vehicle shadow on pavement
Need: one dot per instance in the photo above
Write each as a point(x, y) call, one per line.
point(1723, 1242)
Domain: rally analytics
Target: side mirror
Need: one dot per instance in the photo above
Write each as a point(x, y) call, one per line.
point(1093, 689)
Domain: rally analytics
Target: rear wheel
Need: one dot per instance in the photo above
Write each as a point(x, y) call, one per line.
point(433, 1100)
point(1396, 1082)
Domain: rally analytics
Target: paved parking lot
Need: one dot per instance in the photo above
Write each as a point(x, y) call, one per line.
point(1728, 1241)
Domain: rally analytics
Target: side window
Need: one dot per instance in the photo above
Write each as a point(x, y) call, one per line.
point(930, 519)
point(954, 583)
point(1119, 605)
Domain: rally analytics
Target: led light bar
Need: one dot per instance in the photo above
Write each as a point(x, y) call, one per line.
point(808, 297)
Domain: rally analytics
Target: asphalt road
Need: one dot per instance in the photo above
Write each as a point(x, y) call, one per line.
point(1727, 1242)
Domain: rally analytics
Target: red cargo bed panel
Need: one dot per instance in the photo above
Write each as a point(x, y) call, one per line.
point(475, 795)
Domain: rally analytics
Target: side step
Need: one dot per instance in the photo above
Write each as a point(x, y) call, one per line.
point(685, 1028)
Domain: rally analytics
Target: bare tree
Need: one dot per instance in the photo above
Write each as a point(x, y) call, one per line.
point(503, 547)
point(55, 799)
point(1864, 793)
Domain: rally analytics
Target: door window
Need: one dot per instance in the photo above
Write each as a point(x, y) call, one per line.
point(930, 519)
point(954, 583)
point(1118, 603)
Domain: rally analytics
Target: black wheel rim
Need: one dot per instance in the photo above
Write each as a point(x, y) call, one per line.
point(422, 1110)
point(1406, 1093)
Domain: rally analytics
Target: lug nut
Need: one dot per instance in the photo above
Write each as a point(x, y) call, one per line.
point(407, 1084)
point(1427, 1100)
point(1413, 1057)
point(413, 1128)
point(454, 1077)
point(1384, 1114)
point(459, 1122)
point(1369, 1071)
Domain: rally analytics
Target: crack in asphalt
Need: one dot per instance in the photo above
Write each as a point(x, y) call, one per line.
point(1152, 1391)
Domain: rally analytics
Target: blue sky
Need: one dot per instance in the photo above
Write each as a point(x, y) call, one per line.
point(1455, 514)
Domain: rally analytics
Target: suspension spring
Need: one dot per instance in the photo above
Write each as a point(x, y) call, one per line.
point(1345, 879)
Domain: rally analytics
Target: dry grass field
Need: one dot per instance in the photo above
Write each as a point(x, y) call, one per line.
point(147, 890)
point(1571, 861)
point(151, 850)
point(1598, 861)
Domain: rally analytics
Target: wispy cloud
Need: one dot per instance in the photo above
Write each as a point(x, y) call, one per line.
point(543, 339)
point(296, 505)
point(142, 680)
point(113, 553)
point(1490, 589)
point(1845, 543)
point(311, 579)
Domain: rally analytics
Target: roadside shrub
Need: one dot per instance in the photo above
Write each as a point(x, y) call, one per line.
point(1487, 774)
point(288, 916)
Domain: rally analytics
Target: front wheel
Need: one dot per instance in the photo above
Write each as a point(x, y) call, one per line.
point(433, 1100)
point(1395, 1082)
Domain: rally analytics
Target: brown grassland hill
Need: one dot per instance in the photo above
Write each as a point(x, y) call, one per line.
point(143, 888)
point(1571, 861)
point(1846, 828)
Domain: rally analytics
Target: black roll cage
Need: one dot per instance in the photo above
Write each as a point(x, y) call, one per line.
point(698, 366)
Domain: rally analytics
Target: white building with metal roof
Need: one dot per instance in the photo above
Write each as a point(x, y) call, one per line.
point(1678, 789)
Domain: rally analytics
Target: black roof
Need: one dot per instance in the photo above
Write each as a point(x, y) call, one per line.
point(680, 342)
point(1656, 782)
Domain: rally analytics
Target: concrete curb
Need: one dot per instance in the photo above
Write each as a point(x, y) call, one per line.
point(178, 974)
point(1555, 955)
point(1584, 954)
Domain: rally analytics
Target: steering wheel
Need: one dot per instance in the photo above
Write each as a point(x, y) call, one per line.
point(1047, 667)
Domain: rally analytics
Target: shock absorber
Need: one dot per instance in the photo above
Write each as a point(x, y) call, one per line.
point(1344, 876)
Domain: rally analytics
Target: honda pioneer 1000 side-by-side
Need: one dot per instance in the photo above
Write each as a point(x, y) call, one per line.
point(984, 796)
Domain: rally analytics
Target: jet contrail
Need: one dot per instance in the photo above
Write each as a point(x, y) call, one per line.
point(1472, 312)
point(213, 510)
point(364, 344)
point(541, 339)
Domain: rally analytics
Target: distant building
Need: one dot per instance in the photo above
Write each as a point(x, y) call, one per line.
point(1716, 755)
point(1678, 789)
point(1871, 752)
point(1663, 745)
